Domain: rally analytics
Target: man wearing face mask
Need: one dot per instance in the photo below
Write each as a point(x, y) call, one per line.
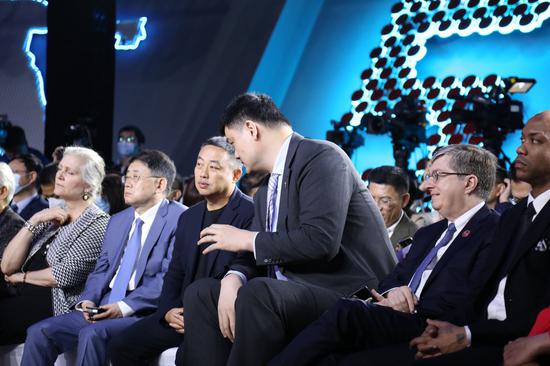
point(130, 142)
point(26, 200)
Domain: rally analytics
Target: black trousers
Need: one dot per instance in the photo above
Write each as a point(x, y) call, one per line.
point(143, 342)
point(269, 313)
point(348, 327)
point(473, 356)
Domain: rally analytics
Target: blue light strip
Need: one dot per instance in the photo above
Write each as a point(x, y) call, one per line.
point(131, 45)
point(32, 62)
point(134, 43)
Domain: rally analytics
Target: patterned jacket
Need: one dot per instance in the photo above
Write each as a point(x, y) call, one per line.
point(72, 253)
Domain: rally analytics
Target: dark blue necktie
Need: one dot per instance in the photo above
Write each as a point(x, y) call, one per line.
point(415, 282)
point(127, 265)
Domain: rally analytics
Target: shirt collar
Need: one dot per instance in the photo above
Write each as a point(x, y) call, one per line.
point(149, 215)
point(540, 201)
point(279, 166)
point(25, 202)
point(391, 229)
point(463, 219)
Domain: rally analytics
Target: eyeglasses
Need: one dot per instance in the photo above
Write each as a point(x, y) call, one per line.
point(135, 178)
point(127, 139)
point(384, 201)
point(434, 176)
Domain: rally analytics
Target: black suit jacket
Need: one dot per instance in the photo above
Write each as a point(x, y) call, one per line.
point(35, 205)
point(329, 232)
point(526, 264)
point(459, 276)
point(183, 266)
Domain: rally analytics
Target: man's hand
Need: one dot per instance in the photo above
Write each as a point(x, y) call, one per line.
point(174, 318)
point(439, 338)
point(227, 237)
point(85, 305)
point(400, 299)
point(226, 305)
point(526, 349)
point(112, 311)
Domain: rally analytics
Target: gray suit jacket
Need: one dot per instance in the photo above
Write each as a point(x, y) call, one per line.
point(404, 229)
point(330, 232)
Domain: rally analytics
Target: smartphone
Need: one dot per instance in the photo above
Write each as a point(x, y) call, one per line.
point(363, 293)
point(94, 311)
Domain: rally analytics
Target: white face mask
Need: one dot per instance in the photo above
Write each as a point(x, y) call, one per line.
point(56, 202)
point(18, 187)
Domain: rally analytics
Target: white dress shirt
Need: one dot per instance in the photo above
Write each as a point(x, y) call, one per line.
point(391, 229)
point(459, 223)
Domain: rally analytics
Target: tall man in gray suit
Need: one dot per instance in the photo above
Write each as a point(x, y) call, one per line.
point(317, 235)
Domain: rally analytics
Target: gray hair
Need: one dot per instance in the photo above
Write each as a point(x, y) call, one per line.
point(222, 143)
point(472, 159)
point(7, 180)
point(160, 165)
point(93, 169)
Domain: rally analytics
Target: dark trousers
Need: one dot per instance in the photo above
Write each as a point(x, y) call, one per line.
point(473, 356)
point(269, 313)
point(348, 327)
point(143, 342)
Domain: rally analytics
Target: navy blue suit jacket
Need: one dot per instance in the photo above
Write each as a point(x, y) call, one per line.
point(35, 205)
point(182, 270)
point(152, 263)
point(458, 277)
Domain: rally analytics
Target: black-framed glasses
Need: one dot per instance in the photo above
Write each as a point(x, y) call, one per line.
point(136, 178)
point(435, 175)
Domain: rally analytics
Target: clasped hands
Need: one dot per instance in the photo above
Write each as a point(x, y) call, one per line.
point(111, 311)
point(226, 237)
point(438, 338)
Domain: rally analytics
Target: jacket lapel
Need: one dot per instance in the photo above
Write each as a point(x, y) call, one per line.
point(227, 217)
point(283, 202)
point(533, 234)
point(152, 238)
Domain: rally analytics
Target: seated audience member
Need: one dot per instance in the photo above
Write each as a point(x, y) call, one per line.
point(519, 287)
point(176, 191)
point(130, 142)
point(534, 349)
point(16, 144)
point(439, 279)
point(127, 279)
point(389, 186)
point(26, 200)
point(112, 195)
point(250, 182)
point(51, 257)
point(499, 197)
point(10, 222)
point(317, 235)
point(47, 180)
point(216, 172)
point(191, 195)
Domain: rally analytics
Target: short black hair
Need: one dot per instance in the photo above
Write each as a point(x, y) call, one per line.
point(222, 143)
point(259, 108)
point(252, 180)
point(139, 135)
point(31, 162)
point(160, 165)
point(390, 175)
point(177, 184)
point(47, 175)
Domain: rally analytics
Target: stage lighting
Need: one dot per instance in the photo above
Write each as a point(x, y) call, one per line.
point(515, 85)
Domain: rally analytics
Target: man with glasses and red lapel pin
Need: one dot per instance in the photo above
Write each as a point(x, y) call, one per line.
point(128, 277)
point(439, 279)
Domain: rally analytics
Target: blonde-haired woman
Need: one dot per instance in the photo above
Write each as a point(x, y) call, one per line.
point(49, 259)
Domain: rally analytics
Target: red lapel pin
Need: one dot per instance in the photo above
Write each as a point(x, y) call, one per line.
point(466, 233)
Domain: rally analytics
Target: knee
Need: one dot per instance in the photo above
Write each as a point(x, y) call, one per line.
point(254, 292)
point(92, 332)
point(37, 330)
point(201, 291)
